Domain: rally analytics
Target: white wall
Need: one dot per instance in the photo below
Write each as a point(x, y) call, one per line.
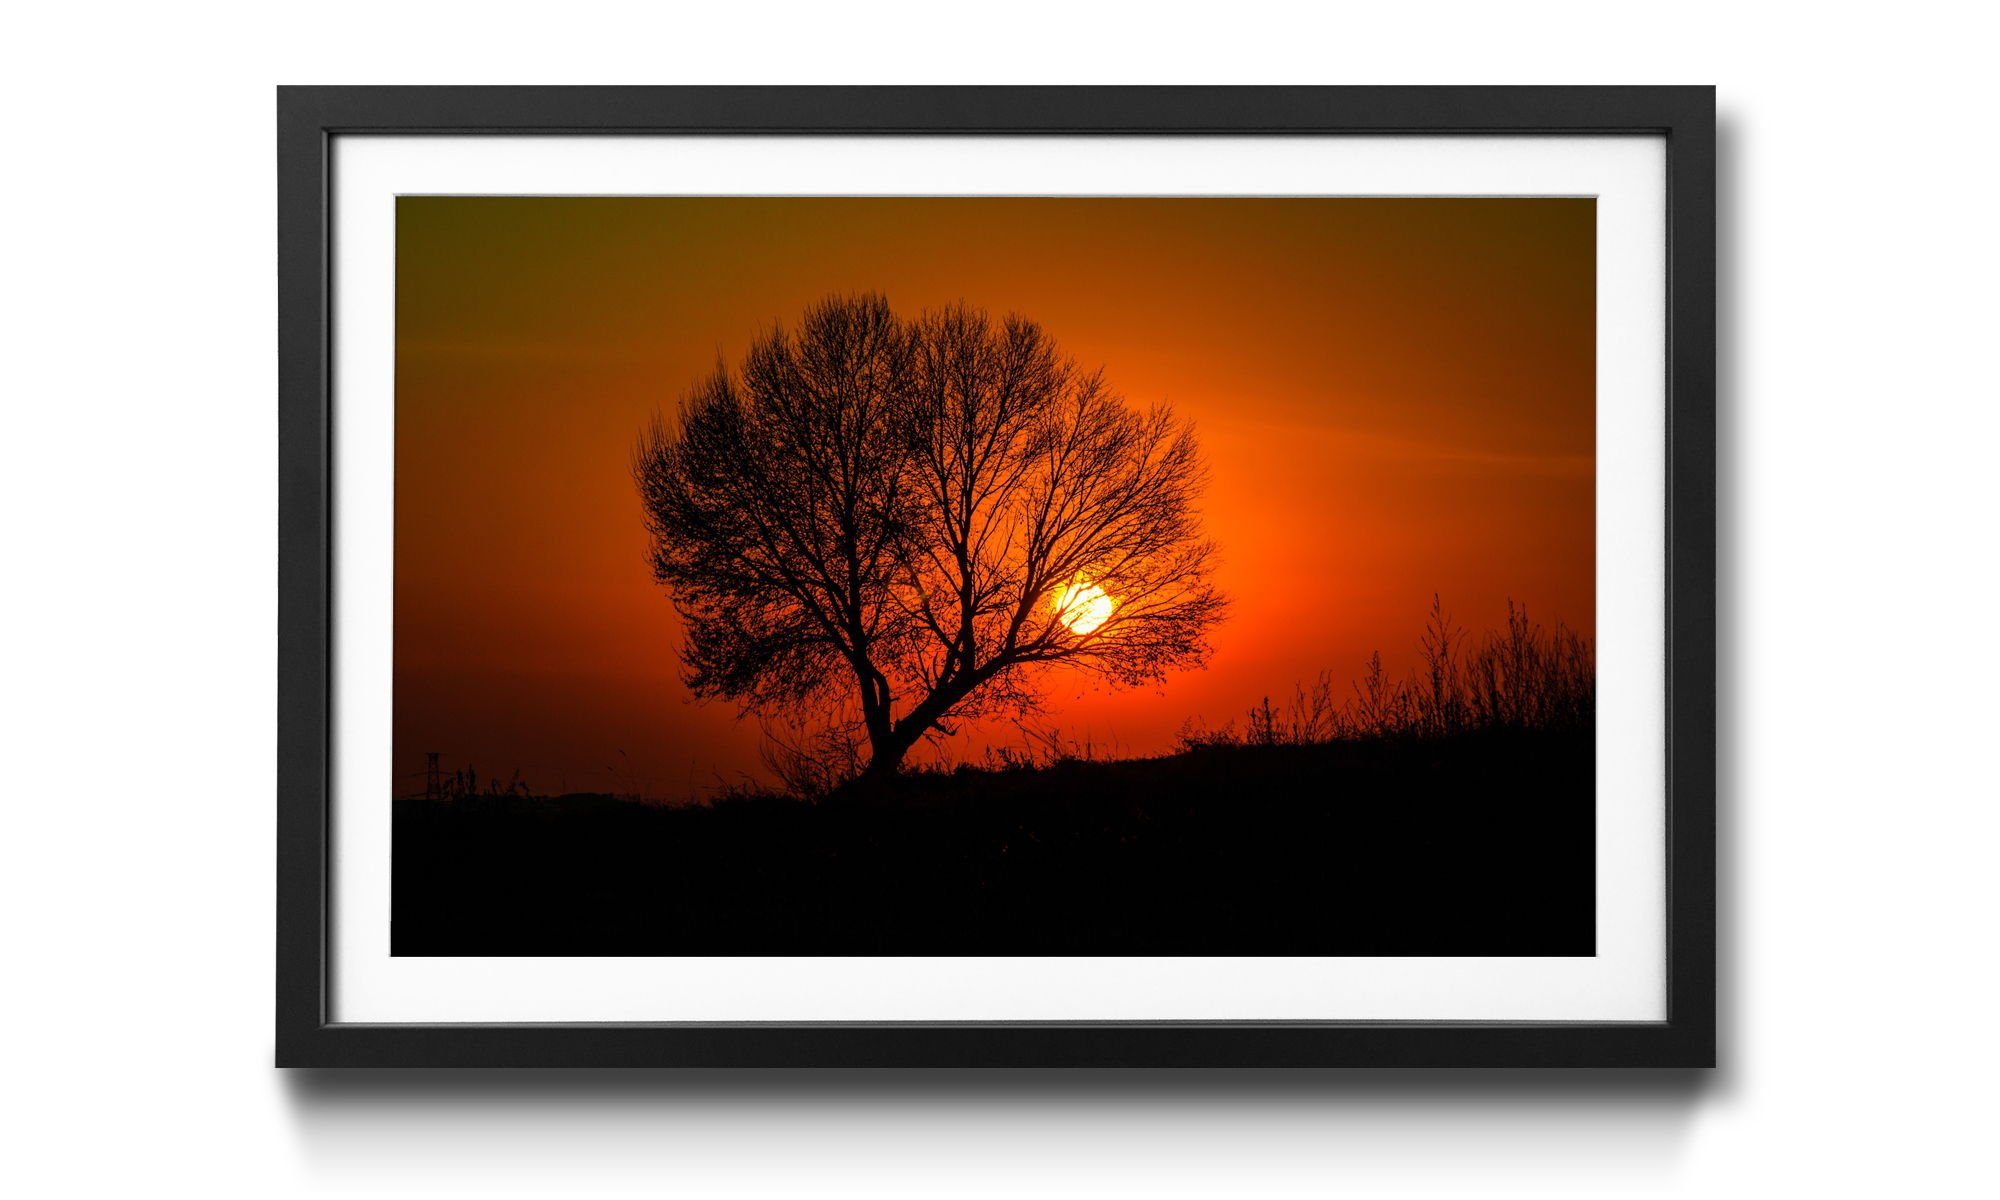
point(1861, 512)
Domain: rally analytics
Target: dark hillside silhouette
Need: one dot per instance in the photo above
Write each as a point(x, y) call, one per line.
point(1448, 813)
point(1478, 843)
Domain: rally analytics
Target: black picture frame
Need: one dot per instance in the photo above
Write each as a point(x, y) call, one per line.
point(310, 118)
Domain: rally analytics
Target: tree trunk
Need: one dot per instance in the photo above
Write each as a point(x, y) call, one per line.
point(895, 740)
point(884, 764)
point(886, 753)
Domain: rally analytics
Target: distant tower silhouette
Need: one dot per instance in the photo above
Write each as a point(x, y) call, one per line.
point(433, 781)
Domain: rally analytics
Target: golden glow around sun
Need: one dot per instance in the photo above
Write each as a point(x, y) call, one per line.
point(1083, 606)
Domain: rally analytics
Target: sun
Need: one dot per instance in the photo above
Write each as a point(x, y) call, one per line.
point(1083, 606)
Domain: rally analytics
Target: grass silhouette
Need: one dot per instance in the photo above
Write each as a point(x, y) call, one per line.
point(1524, 677)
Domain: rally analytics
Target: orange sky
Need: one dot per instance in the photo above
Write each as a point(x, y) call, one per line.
point(1395, 397)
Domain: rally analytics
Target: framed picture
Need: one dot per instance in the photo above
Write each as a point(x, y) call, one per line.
point(986, 576)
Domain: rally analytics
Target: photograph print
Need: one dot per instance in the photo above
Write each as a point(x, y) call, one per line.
point(994, 576)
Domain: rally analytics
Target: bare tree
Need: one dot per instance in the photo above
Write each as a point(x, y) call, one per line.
point(911, 518)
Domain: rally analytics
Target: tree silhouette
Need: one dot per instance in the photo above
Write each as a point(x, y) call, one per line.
point(909, 519)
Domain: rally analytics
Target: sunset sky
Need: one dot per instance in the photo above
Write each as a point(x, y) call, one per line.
point(1395, 398)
